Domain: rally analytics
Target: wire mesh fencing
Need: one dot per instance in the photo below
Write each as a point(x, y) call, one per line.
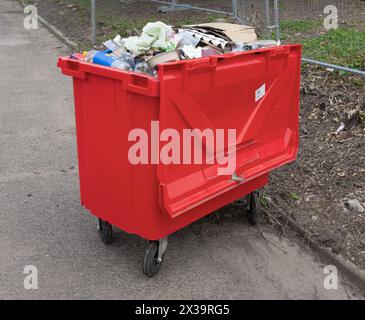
point(259, 13)
point(286, 20)
point(294, 21)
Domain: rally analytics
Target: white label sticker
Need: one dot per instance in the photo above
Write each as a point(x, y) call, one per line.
point(260, 92)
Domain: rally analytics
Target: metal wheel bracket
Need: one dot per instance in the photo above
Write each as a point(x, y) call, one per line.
point(162, 246)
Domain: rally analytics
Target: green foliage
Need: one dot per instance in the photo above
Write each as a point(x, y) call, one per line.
point(343, 46)
point(295, 26)
point(295, 196)
point(263, 200)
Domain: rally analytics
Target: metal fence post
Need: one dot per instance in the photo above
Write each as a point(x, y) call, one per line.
point(268, 19)
point(234, 9)
point(93, 22)
point(277, 21)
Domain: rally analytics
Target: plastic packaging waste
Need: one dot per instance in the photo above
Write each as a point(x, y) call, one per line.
point(161, 33)
point(254, 45)
point(186, 39)
point(138, 45)
point(239, 47)
point(78, 56)
point(155, 35)
point(90, 55)
point(191, 52)
point(104, 58)
point(142, 67)
point(121, 65)
point(111, 45)
point(160, 43)
point(114, 48)
point(262, 44)
point(209, 51)
point(128, 58)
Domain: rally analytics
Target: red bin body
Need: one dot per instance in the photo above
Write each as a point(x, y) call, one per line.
point(254, 92)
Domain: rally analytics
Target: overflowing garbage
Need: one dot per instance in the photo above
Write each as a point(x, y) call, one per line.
point(161, 43)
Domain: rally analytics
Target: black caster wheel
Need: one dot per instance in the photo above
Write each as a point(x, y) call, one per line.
point(105, 231)
point(152, 262)
point(253, 207)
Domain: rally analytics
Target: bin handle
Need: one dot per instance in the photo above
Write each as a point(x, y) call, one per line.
point(137, 83)
point(72, 68)
point(142, 84)
point(211, 62)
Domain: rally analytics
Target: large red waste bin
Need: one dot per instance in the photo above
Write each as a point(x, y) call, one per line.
point(254, 92)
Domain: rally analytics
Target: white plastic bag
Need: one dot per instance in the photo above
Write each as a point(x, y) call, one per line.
point(155, 35)
point(161, 32)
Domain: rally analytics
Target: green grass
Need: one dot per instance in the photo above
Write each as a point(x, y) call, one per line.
point(263, 200)
point(343, 46)
point(282, 5)
point(84, 4)
point(299, 26)
point(294, 196)
point(109, 25)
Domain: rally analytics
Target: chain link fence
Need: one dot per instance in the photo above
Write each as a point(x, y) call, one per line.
point(286, 19)
point(258, 13)
point(280, 19)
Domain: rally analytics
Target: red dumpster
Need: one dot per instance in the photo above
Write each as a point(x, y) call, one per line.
point(255, 93)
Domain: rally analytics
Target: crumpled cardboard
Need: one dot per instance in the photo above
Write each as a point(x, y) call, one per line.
point(236, 32)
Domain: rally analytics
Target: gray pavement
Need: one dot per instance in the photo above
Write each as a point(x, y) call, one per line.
point(43, 224)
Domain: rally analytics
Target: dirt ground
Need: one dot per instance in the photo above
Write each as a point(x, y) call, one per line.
point(330, 169)
point(74, 21)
